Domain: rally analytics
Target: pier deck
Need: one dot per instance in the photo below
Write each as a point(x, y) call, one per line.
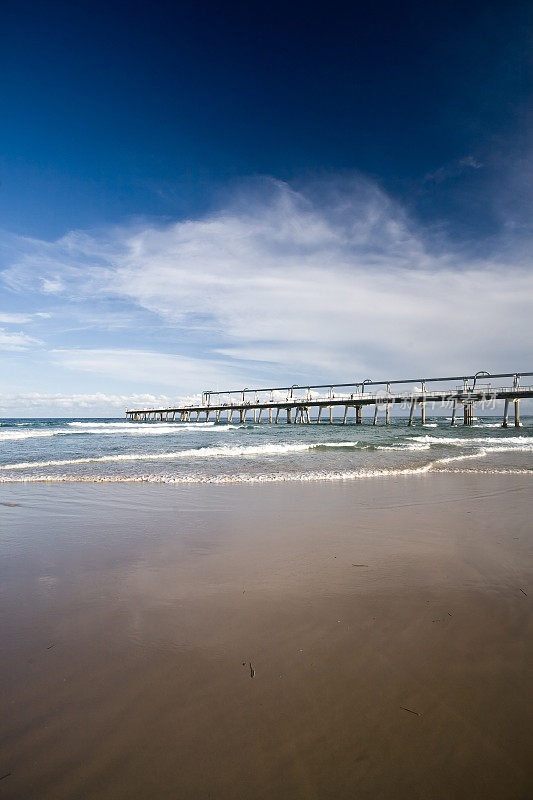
point(306, 404)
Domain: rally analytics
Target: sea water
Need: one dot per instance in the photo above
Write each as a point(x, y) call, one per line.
point(121, 450)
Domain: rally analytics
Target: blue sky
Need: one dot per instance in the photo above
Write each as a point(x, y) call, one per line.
point(198, 195)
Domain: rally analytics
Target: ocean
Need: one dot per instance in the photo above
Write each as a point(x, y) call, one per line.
point(34, 450)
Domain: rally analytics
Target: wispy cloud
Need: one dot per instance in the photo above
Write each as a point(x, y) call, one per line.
point(7, 318)
point(17, 341)
point(333, 281)
point(453, 169)
point(184, 373)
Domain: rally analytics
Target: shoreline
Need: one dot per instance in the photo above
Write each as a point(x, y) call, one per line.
point(331, 639)
point(270, 478)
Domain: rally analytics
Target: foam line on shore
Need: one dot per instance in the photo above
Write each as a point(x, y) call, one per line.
point(302, 477)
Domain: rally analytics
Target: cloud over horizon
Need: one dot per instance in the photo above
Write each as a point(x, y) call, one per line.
point(330, 282)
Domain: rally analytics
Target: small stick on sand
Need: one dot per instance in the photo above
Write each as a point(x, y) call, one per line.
point(410, 710)
point(252, 670)
point(523, 592)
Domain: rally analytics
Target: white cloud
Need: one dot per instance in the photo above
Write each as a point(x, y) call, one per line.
point(52, 285)
point(186, 374)
point(7, 318)
point(99, 404)
point(14, 319)
point(17, 341)
point(332, 282)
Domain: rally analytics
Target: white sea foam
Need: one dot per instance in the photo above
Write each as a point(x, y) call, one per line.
point(124, 428)
point(200, 452)
point(405, 446)
point(121, 426)
point(492, 441)
point(15, 436)
point(239, 478)
point(258, 478)
point(488, 471)
point(333, 445)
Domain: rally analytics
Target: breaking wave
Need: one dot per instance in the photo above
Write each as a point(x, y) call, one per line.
point(200, 452)
point(436, 466)
point(120, 428)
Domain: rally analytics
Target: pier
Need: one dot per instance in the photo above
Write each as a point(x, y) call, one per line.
point(316, 403)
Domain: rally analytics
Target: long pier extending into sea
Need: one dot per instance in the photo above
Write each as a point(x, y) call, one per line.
point(316, 403)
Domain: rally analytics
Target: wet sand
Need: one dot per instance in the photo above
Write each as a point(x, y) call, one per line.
point(368, 639)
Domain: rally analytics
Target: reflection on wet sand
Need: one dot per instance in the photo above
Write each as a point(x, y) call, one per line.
point(314, 641)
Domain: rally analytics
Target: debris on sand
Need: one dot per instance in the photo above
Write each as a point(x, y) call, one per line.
point(410, 710)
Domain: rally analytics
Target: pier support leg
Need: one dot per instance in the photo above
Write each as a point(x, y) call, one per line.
point(375, 415)
point(468, 413)
point(289, 415)
point(345, 415)
point(423, 413)
point(259, 416)
point(505, 414)
point(319, 415)
point(358, 415)
point(331, 415)
point(308, 415)
point(270, 415)
point(454, 412)
point(387, 414)
point(277, 415)
point(411, 412)
point(517, 413)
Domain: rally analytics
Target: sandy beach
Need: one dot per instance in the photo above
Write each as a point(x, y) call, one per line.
point(368, 639)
